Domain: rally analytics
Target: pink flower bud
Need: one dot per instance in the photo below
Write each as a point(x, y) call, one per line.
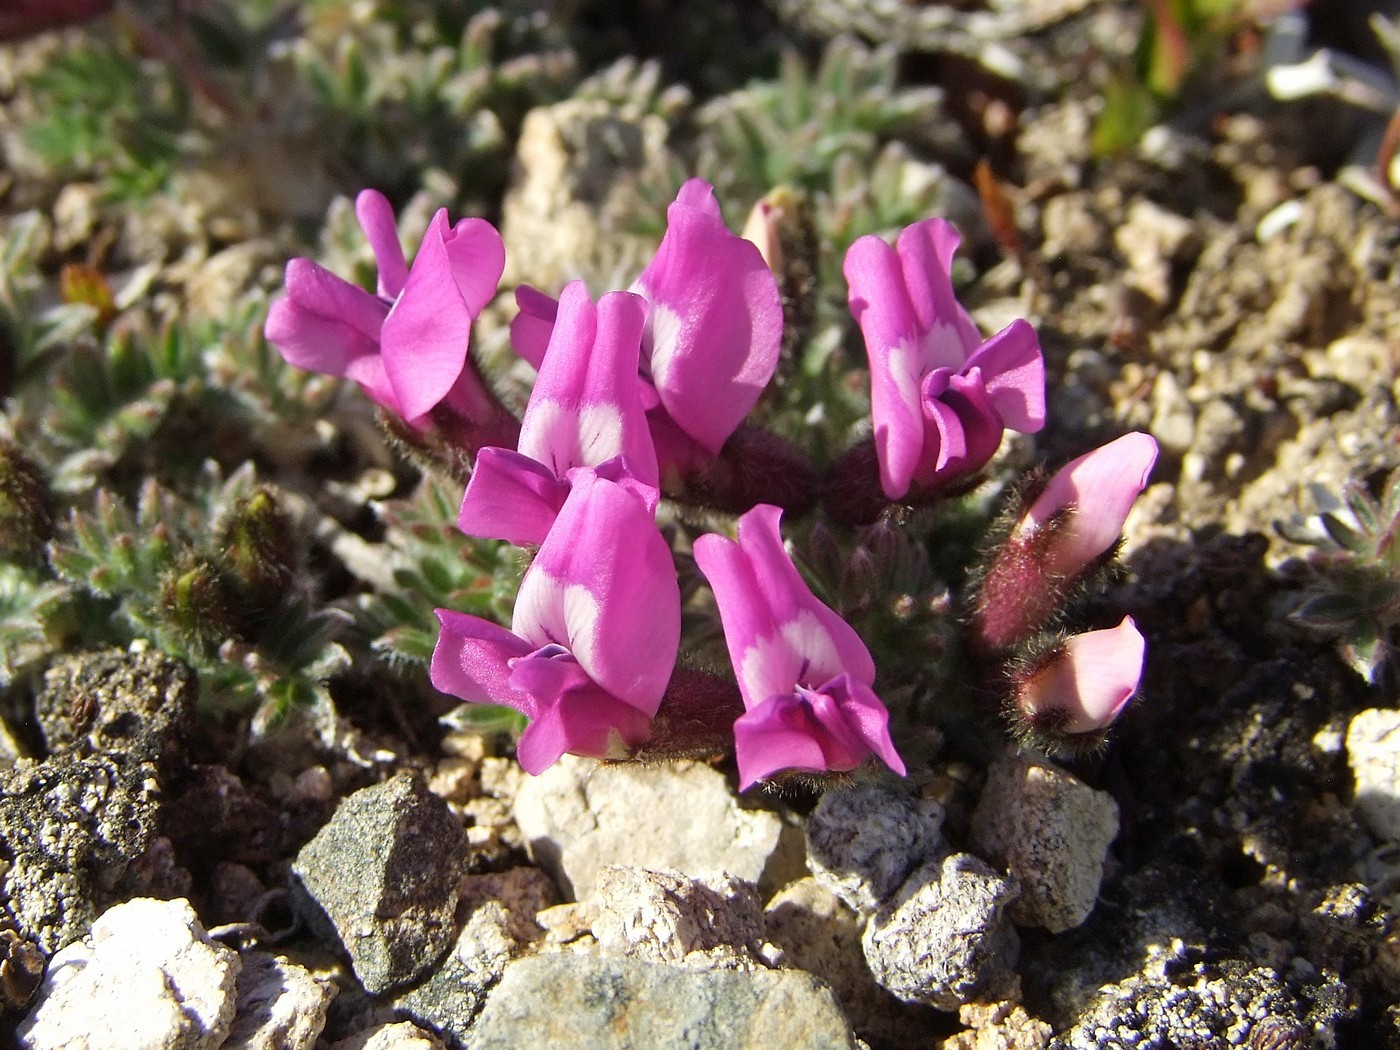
point(1084, 684)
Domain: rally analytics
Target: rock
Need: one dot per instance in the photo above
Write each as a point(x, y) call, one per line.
point(1373, 751)
point(663, 916)
point(71, 828)
point(384, 874)
point(588, 1003)
point(581, 162)
point(817, 932)
point(945, 938)
point(1175, 1002)
point(522, 892)
point(449, 1001)
point(998, 1026)
point(139, 704)
point(864, 841)
point(147, 977)
point(1051, 831)
point(281, 1006)
point(401, 1036)
point(1152, 241)
point(21, 969)
point(579, 816)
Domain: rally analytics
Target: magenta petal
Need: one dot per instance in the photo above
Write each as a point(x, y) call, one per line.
point(853, 705)
point(700, 195)
point(715, 324)
point(324, 323)
point(376, 217)
point(773, 736)
point(585, 722)
point(966, 430)
point(532, 326)
point(1091, 680)
point(778, 634)
point(424, 342)
point(880, 303)
point(604, 586)
point(926, 257)
point(1015, 374)
point(472, 661)
point(584, 409)
point(1093, 495)
point(511, 497)
point(476, 256)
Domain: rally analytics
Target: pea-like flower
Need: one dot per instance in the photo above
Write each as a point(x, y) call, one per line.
point(804, 674)
point(940, 396)
point(713, 328)
point(407, 346)
point(584, 411)
point(593, 638)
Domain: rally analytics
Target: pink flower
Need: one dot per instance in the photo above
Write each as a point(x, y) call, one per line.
point(940, 396)
point(406, 346)
point(594, 635)
point(1085, 683)
point(584, 411)
point(1070, 528)
point(804, 674)
point(713, 329)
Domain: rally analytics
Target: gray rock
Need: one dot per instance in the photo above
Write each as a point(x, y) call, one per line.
point(72, 827)
point(1373, 751)
point(580, 815)
point(864, 841)
point(817, 932)
point(1175, 1003)
point(139, 704)
point(450, 1000)
point(663, 916)
point(281, 1006)
point(945, 938)
point(588, 1003)
point(383, 875)
point(1051, 831)
point(146, 978)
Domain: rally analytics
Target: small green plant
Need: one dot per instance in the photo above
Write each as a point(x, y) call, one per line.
point(1352, 580)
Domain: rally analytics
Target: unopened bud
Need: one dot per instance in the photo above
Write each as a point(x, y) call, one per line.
point(26, 519)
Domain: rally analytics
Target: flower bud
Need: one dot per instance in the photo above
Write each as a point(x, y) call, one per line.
point(1078, 687)
point(26, 520)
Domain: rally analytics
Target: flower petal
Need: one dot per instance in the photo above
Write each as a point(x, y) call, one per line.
point(716, 319)
point(584, 409)
point(773, 736)
point(586, 722)
point(324, 323)
point(926, 258)
point(1090, 681)
point(778, 634)
point(472, 661)
point(604, 586)
point(510, 497)
point(425, 337)
point(531, 327)
point(376, 217)
point(1014, 369)
point(1091, 496)
point(476, 256)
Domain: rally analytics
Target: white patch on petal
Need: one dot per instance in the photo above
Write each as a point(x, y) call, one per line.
point(600, 434)
point(581, 611)
point(540, 615)
point(943, 347)
point(802, 652)
point(907, 371)
point(665, 326)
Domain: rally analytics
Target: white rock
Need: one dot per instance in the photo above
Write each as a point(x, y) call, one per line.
point(401, 1036)
point(662, 916)
point(580, 815)
point(1373, 751)
point(281, 1006)
point(146, 977)
point(1051, 831)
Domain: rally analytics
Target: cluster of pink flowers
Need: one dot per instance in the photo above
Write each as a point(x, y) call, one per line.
point(643, 395)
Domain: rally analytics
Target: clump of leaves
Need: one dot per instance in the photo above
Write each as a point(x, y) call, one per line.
point(438, 568)
point(1352, 580)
